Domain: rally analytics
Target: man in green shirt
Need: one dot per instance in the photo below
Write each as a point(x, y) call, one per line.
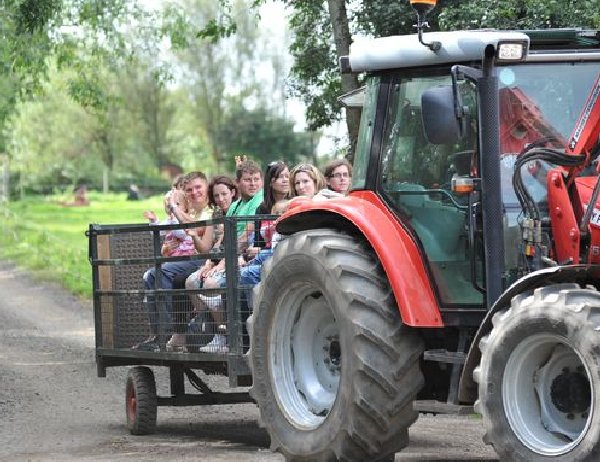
point(250, 183)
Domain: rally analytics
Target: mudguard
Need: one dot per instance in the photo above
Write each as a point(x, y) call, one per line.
point(581, 274)
point(364, 213)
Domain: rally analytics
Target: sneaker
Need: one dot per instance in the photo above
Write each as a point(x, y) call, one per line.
point(150, 344)
point(212, 302)
point(177, 343)
point(217, 345)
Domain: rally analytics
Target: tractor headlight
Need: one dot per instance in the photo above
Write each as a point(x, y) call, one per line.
point(511, 51)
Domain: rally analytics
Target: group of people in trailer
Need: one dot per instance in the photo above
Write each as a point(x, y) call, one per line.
point(194, 198)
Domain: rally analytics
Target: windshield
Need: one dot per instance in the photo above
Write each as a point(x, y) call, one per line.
point(538, 101)
point(365, 135)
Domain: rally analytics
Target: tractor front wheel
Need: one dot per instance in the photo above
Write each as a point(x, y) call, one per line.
point(335, 372)
point(539, 377)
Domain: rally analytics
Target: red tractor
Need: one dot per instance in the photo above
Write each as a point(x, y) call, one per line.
point(462, 270)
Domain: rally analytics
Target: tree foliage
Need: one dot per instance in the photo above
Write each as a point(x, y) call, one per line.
point(35, 30)
point(315, 74)
point(262, 136)
point(23, 49)
point(221, 75)
point(111, 106)
point(519, 14)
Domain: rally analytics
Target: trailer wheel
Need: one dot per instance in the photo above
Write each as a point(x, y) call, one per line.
point(140, 401)
point(539, 377)
point(335, 372)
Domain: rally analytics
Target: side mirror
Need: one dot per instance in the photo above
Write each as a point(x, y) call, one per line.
point(439, 116)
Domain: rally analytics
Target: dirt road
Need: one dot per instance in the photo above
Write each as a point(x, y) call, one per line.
point(53, 407)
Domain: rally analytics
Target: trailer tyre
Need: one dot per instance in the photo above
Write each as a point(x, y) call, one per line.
point(335, 372)
point(140, 401)
point(539, 377)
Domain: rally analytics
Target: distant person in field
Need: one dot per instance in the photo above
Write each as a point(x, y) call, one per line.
point(133, 193)
point(79, 197)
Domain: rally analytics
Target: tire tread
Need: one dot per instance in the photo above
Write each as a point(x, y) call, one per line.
point(384, 386)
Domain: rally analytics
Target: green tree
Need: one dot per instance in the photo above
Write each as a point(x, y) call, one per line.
point(263, 136)
point(315, 73)
point(100, 41)
point(221, 75)
point(23, 49)
point(147, 96)
point(519, 14)
point(49, 140)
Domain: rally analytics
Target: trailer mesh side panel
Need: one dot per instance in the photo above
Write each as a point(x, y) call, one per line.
point(198, 315)
point(131, 321)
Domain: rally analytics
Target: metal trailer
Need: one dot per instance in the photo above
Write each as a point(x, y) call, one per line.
point(120, 255)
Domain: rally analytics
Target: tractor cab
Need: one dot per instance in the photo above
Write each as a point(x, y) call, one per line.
point(428, 145)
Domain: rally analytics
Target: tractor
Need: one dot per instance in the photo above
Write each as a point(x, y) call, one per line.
point(462, 271)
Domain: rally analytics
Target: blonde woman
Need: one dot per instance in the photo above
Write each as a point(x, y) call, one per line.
point(306, 180)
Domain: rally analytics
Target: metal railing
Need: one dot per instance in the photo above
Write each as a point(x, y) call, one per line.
point(127, 312)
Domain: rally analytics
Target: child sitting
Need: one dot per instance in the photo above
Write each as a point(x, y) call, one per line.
point(177, 242)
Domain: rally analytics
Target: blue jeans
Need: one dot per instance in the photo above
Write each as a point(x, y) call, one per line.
point(156, 315)
point(250, 274)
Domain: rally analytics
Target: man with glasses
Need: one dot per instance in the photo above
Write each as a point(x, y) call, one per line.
point(338, 174)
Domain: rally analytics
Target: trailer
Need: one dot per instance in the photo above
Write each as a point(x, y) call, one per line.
point(120, 255)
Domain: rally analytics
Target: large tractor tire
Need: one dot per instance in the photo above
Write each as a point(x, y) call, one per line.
point(140, 401)
point(539, 377)
point(335, 372)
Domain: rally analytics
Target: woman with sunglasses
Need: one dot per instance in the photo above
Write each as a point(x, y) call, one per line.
point(277, 188)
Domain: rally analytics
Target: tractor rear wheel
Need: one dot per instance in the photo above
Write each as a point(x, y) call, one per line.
point(335, 372)
point(140, 401)
point(539, 377)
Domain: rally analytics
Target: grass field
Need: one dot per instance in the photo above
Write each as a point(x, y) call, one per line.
point(49, 239)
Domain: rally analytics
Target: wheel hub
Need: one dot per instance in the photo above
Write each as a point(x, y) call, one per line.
point(547, 394)
point(307, 356)
point(333, 351)
point(570, 391)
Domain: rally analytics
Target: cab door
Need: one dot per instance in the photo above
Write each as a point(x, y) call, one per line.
point(415, 180)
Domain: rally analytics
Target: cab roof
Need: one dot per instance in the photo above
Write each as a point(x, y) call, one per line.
point(406, 51)
point(374, 54)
